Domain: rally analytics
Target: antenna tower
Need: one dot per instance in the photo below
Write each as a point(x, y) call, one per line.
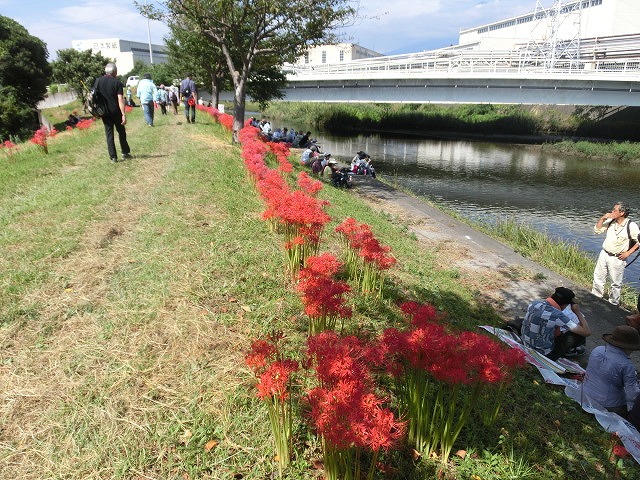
point(556, 35)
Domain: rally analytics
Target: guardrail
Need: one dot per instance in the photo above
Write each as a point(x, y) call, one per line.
point(447, 62)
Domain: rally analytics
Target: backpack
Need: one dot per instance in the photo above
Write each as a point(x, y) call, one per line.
point(96, 103)
point(632, 241)
point(174, 97)
point(186, 91)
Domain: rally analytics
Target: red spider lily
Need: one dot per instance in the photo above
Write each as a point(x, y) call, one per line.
point(53, 132)
point(445, 374)
point(8, 147)
point(274, 387)
point(85, 123)
point(262, 351)
point(366, 257)
point(420, 313)
point(274, 381)
point(40, 138)
point(308, 184)
point(344, 410)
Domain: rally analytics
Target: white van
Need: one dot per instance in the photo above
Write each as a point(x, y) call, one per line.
point(133, 81)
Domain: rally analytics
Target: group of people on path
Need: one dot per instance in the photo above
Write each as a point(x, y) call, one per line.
point(556, 327)
point(149, 94)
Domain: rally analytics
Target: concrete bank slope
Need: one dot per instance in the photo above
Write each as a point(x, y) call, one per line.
point(518, 280)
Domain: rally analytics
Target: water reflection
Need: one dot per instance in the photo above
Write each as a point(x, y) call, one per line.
point(562, 196)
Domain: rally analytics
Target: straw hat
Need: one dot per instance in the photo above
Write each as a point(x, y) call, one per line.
point(623, 336)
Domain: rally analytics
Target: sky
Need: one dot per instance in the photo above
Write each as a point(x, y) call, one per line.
point(386, 26)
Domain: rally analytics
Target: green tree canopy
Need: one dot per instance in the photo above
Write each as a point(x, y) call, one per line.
point(24, 76)
point(78, 69)
point(248, 31)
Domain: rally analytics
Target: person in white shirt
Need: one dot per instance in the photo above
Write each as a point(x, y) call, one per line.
point(620, 241)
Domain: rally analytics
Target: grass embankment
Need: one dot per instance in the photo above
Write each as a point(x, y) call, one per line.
point(130, 292)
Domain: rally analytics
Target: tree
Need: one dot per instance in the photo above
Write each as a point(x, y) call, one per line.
point(191, 52)
point(24, 76)
point(79, 69)
point(247, 31)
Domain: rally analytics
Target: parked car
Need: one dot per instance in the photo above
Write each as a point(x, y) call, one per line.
point(133, 80)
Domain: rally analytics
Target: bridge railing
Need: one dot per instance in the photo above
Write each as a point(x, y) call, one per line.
point(472, 62)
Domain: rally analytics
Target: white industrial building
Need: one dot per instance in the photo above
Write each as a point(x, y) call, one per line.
point(557, 21)
point(124, 52)
point(338, 53)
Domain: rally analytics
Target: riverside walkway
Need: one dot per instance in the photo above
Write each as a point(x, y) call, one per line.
point(518, 279)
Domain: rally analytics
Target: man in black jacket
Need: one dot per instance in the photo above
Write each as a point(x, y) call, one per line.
point(112, 90)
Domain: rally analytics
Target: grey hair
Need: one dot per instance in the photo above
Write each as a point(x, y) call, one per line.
point(110, 69)
point(624, 208)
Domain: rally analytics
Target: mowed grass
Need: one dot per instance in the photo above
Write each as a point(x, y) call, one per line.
point(130, 292)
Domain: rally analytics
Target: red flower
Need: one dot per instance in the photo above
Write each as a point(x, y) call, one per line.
point(274, 382)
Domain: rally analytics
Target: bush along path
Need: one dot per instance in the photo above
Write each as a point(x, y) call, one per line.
point(182, 315)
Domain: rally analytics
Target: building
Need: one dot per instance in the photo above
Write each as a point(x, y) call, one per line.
point(562, 21)
point(338, 53)
point(124, 52)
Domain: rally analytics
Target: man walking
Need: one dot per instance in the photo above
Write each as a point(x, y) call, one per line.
point(112, 90)
point(148, 94)
point(620, 241)
point(189, 95)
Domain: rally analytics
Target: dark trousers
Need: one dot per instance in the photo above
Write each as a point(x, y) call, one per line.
point(111, 121)
point(188, 107)
point(565, 342)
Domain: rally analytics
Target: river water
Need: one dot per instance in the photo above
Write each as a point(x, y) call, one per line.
point(561, 196)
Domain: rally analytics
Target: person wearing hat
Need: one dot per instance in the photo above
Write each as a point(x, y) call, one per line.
point(148, 94)
point(330, 168)
point(611, 378)
point(548, 330)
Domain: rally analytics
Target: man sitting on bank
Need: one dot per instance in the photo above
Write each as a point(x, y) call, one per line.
point(552, 333)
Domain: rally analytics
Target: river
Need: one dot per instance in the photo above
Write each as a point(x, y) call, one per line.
point(561, 196)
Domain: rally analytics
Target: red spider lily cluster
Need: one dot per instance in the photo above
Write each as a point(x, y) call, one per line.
point(295, 213)
point(40, 138)
point(85, 123)
point(441, 377)
point(274, 373)
point(444, 375)
point(367, 258)
point(224, 119)
point(8, 147)
point(322, 294)
point(344, 410)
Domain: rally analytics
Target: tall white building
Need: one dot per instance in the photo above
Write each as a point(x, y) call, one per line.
point(124, 52)
point(338, 53)
point(559, 21)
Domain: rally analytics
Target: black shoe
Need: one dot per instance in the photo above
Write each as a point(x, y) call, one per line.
point(126, 156)
point(193, 120)
point(188, 121)
point(575, 352)
point(114, 159)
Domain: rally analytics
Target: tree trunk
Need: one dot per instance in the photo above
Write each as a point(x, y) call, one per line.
point(239, 100)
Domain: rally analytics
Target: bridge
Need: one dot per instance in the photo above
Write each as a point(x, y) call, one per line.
point(599, 76)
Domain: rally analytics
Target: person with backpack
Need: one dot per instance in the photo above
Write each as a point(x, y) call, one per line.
point(620, 241)
point(174, 100)
point(189, 95)
point(111, 89)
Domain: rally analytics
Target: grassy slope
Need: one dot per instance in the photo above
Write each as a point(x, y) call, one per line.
point(129, 292)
